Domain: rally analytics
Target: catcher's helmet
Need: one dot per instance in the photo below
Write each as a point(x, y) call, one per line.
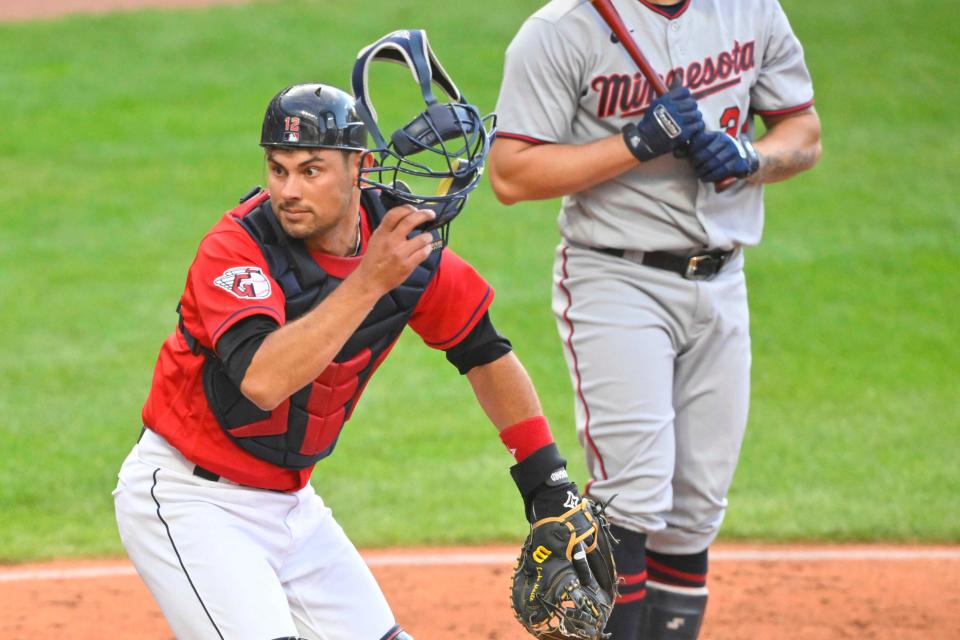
point(453, 138)
point(313, 115)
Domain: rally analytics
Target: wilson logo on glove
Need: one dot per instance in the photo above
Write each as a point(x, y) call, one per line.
point(540, 554)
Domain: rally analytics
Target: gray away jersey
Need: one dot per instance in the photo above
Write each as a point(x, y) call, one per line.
point(566, 80)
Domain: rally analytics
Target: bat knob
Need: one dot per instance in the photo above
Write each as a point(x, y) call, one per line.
point(723, 185)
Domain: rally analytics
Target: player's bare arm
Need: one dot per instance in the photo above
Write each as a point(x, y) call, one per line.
point(521, 170)
point(554, 594)
point(534, 172)
point(790, 145)
point(298, 352)
point(505, 391)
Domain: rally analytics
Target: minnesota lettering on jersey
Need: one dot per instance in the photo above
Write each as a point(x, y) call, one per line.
point(624, 94)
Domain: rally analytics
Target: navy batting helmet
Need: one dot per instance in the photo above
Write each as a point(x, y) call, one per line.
point(313, 115)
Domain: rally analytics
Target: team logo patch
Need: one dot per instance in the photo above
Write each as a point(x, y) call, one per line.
point(245, 282)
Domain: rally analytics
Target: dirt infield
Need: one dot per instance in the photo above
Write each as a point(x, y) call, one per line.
point(758, 593)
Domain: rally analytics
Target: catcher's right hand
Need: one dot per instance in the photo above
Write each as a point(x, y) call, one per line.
point(564, 584)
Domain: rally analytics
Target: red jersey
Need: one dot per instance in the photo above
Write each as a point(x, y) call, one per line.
point(228, 281)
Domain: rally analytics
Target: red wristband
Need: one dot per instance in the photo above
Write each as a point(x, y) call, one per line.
point(527, 436)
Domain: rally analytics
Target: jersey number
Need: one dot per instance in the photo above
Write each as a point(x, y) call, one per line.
point(729, 121)
point(291, 123)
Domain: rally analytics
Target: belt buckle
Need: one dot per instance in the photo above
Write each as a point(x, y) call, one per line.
point(694, 264)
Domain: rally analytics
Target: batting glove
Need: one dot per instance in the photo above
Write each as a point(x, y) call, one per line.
point(716, 156)
point(671, 121)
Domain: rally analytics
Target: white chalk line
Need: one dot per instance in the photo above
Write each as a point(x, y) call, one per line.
point(507, 560)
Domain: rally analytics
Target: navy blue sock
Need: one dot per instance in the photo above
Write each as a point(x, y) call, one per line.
point(630, 556)
point(677, 595)
point(678, 570)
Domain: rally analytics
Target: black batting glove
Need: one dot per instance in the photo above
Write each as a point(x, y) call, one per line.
point(670, 123)
point(716, 156)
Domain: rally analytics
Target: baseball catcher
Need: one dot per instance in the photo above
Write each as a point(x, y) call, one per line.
point(564, 584)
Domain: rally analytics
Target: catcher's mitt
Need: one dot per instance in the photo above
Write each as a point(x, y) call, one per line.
point(565, 581)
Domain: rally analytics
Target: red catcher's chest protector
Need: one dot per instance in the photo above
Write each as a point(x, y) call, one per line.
point(305, 427)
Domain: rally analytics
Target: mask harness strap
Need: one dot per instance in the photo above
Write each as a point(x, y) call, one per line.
point(406, 47)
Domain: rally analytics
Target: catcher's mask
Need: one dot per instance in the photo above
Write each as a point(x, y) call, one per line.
point(313, 116)
point(452, 136)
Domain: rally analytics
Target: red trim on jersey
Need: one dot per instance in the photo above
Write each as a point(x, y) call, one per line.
point(586, 487)
point(663, 12)
point(670, 571)
point(393, 633)
point(576, 367)
point(633, 578)
point(780, 112)
point(699, 95)
point(452, 341)
point(522, 138)
point(631, 597)
point(452, 305)
point(527, 436)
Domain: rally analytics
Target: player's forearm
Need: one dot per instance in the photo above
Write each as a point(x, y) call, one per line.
point(295, 354)
point(522, 171)
point(504, 391)
point(791, 145)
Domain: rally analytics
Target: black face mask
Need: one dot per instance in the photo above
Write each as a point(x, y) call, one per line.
point(443, 148)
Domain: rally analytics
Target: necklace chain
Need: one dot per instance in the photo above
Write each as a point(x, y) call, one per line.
point(356, 248)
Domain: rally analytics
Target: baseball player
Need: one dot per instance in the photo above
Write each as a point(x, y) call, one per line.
point(649, 291)
point(293, 300)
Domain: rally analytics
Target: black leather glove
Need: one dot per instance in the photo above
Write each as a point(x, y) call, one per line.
point(565, 583)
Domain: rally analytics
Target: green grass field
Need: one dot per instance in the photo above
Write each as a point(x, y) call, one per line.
point(125, 136)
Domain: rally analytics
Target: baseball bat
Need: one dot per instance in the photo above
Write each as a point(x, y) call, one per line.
point(609, 14)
